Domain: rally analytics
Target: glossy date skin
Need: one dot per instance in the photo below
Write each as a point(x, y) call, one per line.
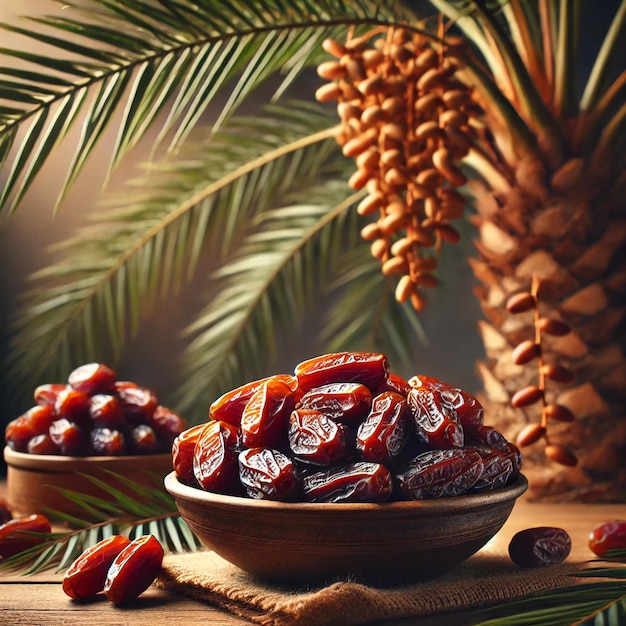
point(268, 475)
point(357, 482)
point(368, 368)
point(383, 434)
point(215, 454)
point(440, 474)
point(133, 570)
point(343, 409)
point(343, 402)
point(540, 546)
point(21, 533)
point(317, 439)
point(86, 576)
point(607, 538)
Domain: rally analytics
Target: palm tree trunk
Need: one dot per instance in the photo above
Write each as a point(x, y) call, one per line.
point(569, 230)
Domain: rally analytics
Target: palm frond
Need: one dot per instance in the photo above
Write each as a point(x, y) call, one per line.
point(150, 240)
point(155, 63)
point(265, 289)
point(124, 507)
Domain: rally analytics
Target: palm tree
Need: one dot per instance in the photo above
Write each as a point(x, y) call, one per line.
point(252, 214)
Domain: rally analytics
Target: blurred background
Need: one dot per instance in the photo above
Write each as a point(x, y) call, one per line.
point(450, 350)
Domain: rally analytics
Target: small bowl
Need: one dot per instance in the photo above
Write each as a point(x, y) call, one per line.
point(32, 478)
point(302, 543)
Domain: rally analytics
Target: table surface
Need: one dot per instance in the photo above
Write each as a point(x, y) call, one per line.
point(39, 600)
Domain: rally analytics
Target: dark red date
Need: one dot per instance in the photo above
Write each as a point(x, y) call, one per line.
point(229, 406)
point(86, 576)
point(22, 533)
point(92, 378)
point(134, 569)
point(440, 474)
point(497, 470)
point(435, 418)
point(106, 411)
point(368, 368)
point(540, 546)
point(343, 402)
point(383, 434)
point(607, 538)
point(357, 482)
point(47, 393)
point(73, 405)
point(266, 415)
point(215, 458)
point(139, 404)
point(69, 437)
point(315, 438)
point(183, 452)
point(107, 442)
point(166, 423)
point(268, 475)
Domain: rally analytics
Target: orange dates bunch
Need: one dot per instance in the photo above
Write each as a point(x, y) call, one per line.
point(343, 428)
point(407, 120)
point(94, 413)
point(531, 350)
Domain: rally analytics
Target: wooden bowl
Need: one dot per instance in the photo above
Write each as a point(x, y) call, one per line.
point(389, 543)
point(32, 478)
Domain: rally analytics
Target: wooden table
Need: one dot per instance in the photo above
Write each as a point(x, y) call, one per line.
point(40, 601)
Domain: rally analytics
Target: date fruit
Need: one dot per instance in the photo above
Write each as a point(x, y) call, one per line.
point(86, 576)
point(441, 474)
point(383, 434)
point(357, 482)
point(215, 458)
point(315, 438)
point(607, 538)
point(369, 368)
point(540, 546)
point(268, 474)
point(94, 414)
point(22, 533)
point(134, 569)
point(343, 428)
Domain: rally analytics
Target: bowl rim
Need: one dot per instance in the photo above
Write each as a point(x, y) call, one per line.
point(24, 460)
point(440, 505)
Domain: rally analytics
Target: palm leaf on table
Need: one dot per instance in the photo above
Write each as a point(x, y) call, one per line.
point(124, 507)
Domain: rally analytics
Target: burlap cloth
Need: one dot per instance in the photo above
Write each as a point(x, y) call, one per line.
point(489, 577)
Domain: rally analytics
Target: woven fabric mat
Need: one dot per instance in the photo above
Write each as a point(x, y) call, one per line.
point(486, 578)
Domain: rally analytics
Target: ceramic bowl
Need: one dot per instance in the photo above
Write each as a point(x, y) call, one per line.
point(392, 542)
point(32, 478)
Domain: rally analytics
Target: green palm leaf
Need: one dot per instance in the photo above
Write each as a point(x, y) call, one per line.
point(123, 507)
point(142, 58)
point(148, 244)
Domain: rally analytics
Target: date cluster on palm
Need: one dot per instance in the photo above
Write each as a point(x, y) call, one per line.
point(407, 121)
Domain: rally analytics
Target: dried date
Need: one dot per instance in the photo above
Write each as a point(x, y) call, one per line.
point(86, 576)
point(369, 368)
point(215, 458)
point(497, 469)
point(230, 405)
point(268, 474)
point(608, 538)
point(266, 415)
point(92, 378)
point(435, 418)
point(315, 438)
point(356, 482)
point(440, 474)
point(134, 569)
point(343, 402)
point(22, 533)
point(540, 546)
point(183, 453)
point(384, 432)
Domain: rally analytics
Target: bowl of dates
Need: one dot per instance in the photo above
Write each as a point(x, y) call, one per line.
point(344, 468)
point(90, 426)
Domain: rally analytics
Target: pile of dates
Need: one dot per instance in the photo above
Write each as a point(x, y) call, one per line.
point(94, 413)
point(343, 428)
